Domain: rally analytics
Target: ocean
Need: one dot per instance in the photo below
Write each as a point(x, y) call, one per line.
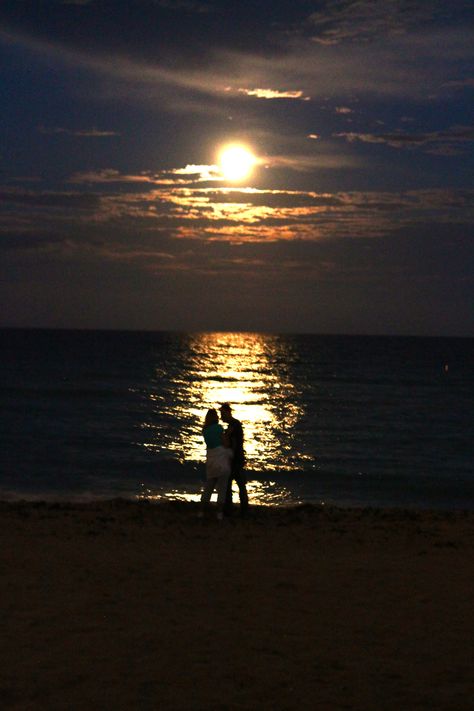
point(332, 420)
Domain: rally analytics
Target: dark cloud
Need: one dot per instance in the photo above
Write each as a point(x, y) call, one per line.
point(29, 240)
point(187, 5)
point(112, 175)
point(339, 21)
point(448, 138)
point(467, 83)
point(174, 33)
point(82, 133)
point(268, 198)
point(30, 198)
point(165, 32)
point(168, 214)
point(235, 56)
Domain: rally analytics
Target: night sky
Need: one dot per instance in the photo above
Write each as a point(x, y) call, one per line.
point(356, 217)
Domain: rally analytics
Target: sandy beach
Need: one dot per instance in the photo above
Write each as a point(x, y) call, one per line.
point(121, 605)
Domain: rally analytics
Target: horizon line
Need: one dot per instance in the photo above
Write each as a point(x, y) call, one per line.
point(265, 332)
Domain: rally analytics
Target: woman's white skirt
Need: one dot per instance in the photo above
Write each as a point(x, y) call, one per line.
point(218, 462)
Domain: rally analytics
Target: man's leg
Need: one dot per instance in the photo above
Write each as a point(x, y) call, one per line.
point(241, 480)
point(228, 497)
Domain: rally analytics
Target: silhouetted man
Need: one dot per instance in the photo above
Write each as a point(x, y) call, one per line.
point(235, 436)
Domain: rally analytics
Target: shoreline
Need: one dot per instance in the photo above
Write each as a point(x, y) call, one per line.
point(120, 605)
point(192, 501)
point(178, 503)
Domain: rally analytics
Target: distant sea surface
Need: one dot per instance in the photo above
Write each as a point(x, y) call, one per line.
point(339, 420)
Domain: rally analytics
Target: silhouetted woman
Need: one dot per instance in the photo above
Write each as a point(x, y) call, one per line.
point(218, 460)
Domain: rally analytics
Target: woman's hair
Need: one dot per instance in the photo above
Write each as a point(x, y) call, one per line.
point(211, 418)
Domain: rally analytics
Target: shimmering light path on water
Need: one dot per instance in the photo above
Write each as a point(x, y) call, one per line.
point(248, 371)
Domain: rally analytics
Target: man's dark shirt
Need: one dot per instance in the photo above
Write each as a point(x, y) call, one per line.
point(236, 434)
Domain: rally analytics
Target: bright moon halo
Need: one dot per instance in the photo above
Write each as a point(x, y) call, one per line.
point(236, 162)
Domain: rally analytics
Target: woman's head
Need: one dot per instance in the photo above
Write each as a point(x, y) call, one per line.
point(211, 418)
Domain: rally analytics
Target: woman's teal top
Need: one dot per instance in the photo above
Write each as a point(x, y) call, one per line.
point(213, 435)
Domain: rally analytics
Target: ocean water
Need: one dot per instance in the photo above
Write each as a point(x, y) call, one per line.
point(339, 420)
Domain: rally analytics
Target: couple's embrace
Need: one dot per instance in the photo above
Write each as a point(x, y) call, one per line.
point(225, 461)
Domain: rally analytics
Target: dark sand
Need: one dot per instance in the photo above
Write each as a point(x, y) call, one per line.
point(137, 606)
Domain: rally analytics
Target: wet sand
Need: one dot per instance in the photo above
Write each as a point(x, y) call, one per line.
point(121, 605)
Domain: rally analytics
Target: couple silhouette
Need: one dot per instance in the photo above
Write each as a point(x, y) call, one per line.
point(225, 462)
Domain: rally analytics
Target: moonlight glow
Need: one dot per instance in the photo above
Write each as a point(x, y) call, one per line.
point(236, 162)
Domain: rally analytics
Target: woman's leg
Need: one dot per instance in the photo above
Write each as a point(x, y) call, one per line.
point(207, 491)
point(222, 482)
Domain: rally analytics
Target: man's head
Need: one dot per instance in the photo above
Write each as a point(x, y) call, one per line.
point(226, 412)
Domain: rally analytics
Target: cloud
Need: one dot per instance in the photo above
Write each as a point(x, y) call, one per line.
point(37, 240)
point(274, 94)
point(178, 68)
point(24, 179)
point(186, 5)
point(110, 175)
point(190, 174)
point(82, 133)
point(340, 21)
point(159, 214)
point(50, 199)
point(467, 83)
point(304, 163)
point(445, 142)
point(199, 172)
point(407, 65)
point(175, 34)
point(257, 198)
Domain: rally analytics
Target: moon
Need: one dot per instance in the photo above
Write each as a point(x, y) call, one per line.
point(236, 162)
